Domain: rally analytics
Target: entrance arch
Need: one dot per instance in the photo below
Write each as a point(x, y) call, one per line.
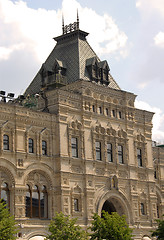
point(113, 201)
point(109, 207)
point(37, 238)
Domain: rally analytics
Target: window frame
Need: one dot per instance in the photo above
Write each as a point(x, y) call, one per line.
point(44, 148)
point(110, 152)
point(139, 157)
point(98, 151)
point(120, 154)
point(74, 147)
point(29, 213)
point(142, 206)
point(6, 142)
point(31, 145)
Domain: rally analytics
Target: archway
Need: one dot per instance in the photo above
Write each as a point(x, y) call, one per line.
point(37, 238)
point(109, 207)
point(113, 204)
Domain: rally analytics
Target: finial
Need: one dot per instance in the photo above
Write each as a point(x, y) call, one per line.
point(63, 23)
point(77, 20)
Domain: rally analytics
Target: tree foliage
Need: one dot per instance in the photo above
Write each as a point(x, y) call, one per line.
point(63, 228)
point(110, 226)
point(7, 224)
point(159, 232)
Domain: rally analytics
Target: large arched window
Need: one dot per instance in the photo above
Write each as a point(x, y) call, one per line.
point(36, 202)
point(4, 193)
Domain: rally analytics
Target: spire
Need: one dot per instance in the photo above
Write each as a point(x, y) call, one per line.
point(77, 19)
point(63, 23)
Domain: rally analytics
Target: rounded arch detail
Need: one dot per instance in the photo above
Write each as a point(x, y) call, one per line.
point(38, 235)
point(4, 170)
point(42, 170)
point(118, 200)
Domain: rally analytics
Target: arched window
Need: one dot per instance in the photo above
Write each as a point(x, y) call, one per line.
point(142, 209)
point(4, 194)
point(5, 142)
point(36, 202)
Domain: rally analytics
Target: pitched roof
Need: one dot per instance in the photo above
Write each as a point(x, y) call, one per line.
point(73, 51)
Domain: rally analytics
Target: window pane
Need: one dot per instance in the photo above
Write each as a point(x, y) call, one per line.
point(5, 193)
point(109, 152)
point(28, 204)
point(120, 154)
point(98, 150)
point(139, 157)
point(44, 147)
point(76, 204)
point(31, 145)
point(43, 203)
point(35, 203)
point(5, 142)
point(74, 147)
point(142, 209)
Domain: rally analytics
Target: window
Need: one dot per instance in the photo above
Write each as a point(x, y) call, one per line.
point(120, 114)
point(109, 152)
point(4, 193)
point(98, 150)
point(31, 145)
point(107, 112)
point(36, 202)
point(93, 108)
point(120, 154)
point(139, 157)
point(76, 205)
point(100, 110)
point(44, 147)
point(74, 146)
point(113, 113)
point(5, 142)
point(142, 209)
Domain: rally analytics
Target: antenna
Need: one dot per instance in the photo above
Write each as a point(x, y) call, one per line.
point(77, 19)
point(63, 23)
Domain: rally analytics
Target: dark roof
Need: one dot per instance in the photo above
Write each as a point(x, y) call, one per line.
point(73, 51)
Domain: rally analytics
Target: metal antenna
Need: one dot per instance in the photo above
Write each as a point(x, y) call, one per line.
point(77, 20)
point(63, 23)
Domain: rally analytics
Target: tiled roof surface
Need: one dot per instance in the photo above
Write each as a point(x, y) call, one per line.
point(74, 52)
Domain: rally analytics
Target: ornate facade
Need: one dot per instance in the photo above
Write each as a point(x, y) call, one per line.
point(76, 143)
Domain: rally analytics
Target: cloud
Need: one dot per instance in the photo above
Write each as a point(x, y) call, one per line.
point(159, 39)
point(26, 37)
point(158, 119)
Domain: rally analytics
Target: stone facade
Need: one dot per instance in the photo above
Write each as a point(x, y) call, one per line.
point(92, 150)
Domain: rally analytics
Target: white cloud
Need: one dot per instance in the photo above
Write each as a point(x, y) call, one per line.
point(151, 6)
point(39, 26)
point(158, 119)
point(159, 39)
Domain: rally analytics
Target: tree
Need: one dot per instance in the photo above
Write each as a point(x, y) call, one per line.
point(7, 223)
point(64, 228)
point(159, 232)
point(110, 226)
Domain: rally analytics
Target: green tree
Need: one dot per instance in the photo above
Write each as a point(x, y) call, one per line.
point(63, 228)
point(110, 226)
point(7, 224)
point(159, 232)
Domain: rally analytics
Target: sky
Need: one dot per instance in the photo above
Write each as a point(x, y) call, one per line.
point(129, 34)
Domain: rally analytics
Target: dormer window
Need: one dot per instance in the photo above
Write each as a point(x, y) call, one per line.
point(98, 71)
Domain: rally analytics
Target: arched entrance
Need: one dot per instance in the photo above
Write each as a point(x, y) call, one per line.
point(113, 205)
point(113, 201)
point(37, 238)
point(108, 207)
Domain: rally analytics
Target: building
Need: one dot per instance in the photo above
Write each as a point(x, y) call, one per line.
point(75, 143)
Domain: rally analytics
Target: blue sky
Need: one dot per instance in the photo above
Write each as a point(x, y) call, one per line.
point(129, 34)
